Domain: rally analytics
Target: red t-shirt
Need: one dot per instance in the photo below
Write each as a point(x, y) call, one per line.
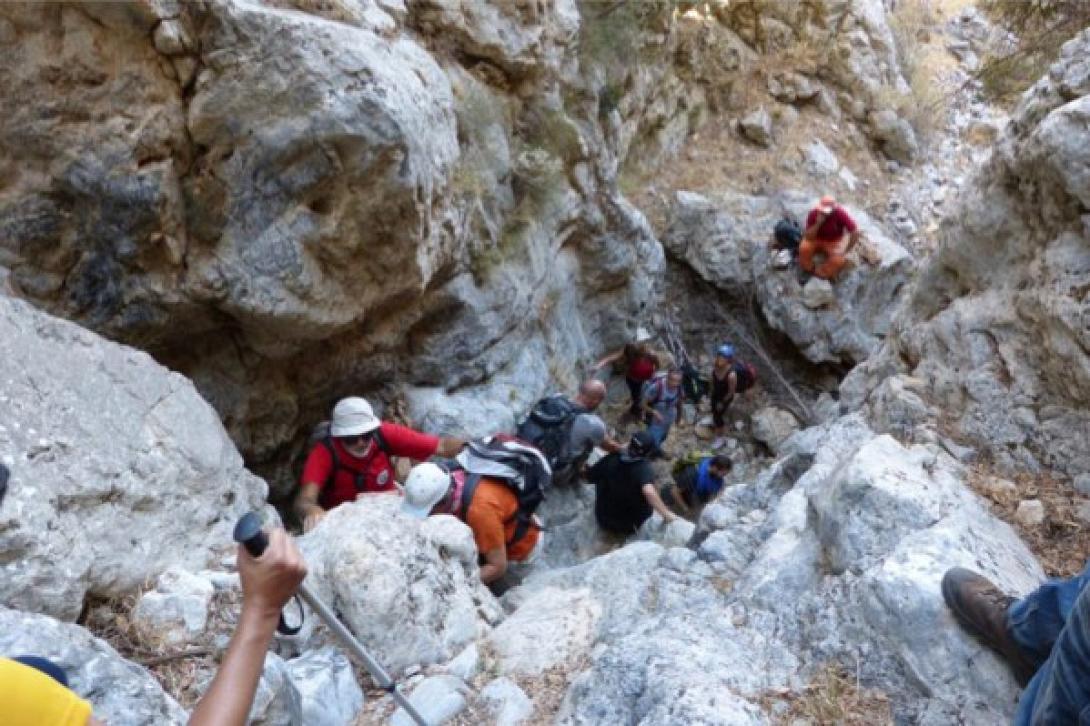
point(376, 469)
point(641, 369)
point(836, 224)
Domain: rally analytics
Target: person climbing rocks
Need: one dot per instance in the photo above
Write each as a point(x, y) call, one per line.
point(826, 225)
point(695, 483)
point(625, 494)
point(640, 365)
point(1044, 638)
point(568, 430)
point(490, 515)
point(729, 377)
point(354, 457)
point(35, 691)
point(662, 399)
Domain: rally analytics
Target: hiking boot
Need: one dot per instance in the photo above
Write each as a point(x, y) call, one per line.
point(802, 276)
point(981, 608)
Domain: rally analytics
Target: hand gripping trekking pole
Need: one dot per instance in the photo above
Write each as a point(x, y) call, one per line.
point(249, 534)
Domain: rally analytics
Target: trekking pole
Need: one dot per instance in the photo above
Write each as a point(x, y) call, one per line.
point(249, 534)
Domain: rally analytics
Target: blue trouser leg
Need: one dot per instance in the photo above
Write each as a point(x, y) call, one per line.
point(1054, 620)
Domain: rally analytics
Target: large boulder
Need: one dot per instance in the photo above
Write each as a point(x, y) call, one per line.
point(724, 238)
point(410, 590)
point(994, 327)
point(119, 469)
point(120, 692)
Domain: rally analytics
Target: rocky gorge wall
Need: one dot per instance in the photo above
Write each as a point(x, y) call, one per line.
point(417, 201)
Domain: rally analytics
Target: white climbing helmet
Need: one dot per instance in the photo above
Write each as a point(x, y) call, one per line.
point(353, 416)
point(425, 487)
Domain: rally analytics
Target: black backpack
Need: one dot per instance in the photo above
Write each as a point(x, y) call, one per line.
point(548, 427)
point(320, 436)
point(516, 463)
point(788, 234)
point(692, 384)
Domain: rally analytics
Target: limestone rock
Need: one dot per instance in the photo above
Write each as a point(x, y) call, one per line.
point(724, 239)
point(551, 628)
point(176, 611)
point(119, 691)
point(466, 664)
point(437, 698)
point(328, 692)
point(820, 160)
point(412, 592)
point(818, 293)
point(757, 127)
point(118, 469)
point(277, 701)
point(895, 135)
point(1082, 484)
point(1007, 269)
point(772, 426)
point(507, 703)
point(1030, 513)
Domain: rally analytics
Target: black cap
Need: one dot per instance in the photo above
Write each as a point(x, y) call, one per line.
point(642, 444)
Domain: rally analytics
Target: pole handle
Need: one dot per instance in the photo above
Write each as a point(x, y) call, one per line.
point(249, 534)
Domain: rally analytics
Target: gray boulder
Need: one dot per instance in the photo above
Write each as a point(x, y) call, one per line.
point(120, 692)
point(328, 692)
point(276, 701)
point(119, 469)
point(895, 136)
point(725, 240)
point(437, 698)
point(506, 702)
point(757, 127)
point(411, 590)
point(176, 611)
point(772, 426)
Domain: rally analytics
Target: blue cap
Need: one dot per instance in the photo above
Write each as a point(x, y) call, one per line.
point(726, 350)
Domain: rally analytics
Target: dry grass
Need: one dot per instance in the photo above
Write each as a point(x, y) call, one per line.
point(1063, 539)
point(182, 670)
point(832, 697)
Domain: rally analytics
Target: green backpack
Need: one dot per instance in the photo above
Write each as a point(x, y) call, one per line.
point(693, 458)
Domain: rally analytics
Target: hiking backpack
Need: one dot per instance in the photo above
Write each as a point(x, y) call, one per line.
point(519, 465)
point(747, 375)
point(320, 436)
point(694, 387)
point(788, 234)
point(693, 458)
point(548, 428)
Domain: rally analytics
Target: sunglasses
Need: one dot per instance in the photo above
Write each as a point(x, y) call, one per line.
point(356, 439)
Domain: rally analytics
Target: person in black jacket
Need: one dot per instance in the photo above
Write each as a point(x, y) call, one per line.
point(695, 485)
point(625, 491)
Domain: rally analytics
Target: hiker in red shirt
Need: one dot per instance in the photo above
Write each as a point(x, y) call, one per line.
point(640, 366)
point(355, 458)
point(826, 226)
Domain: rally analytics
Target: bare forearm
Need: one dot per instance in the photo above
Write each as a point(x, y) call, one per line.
point(227, 701)
point(449, 448)
point(657, 504)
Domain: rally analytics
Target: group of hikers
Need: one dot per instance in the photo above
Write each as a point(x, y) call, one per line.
point(494, 484)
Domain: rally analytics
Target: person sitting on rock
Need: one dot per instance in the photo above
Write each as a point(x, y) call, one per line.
point(355, 458)
point(1044, 638)
point(429, 489)
point(662, 399)
point(625, 493)
point(640, 365)
point(729, 377)
point(826, 225)
point(694, 485)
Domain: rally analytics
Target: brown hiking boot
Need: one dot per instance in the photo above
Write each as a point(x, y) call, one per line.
point(981, 608)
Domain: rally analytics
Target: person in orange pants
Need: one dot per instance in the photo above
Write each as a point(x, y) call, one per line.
point(826, 225)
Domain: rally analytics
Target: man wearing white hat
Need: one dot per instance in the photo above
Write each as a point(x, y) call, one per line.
point(490, 514)
point(355, 458)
